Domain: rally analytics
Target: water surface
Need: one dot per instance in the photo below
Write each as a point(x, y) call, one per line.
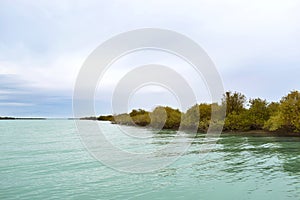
point(46, 160)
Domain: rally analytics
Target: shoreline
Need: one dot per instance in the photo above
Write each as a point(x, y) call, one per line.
point(254, 133)
point(261, 133)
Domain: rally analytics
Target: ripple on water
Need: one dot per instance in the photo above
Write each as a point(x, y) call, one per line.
point(46, 160)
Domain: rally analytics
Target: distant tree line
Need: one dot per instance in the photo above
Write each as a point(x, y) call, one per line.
point(241, 115)
point(21, 118)
point(7, 118)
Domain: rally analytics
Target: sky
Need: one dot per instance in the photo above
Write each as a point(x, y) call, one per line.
point(255, 46)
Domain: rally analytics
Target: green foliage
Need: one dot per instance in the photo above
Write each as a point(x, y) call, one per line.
point(106, 118)
point(288, 115)
point(199, 116)
point(165, 117)
point(258, 113)
point(168, 116)
point(135, 117)
point(234, 102)
point(284, 115)
point(191, 118)
point(137, 112)
point(124, 119)
point(236, 115)
point(237, 122)
point(142, 119)
point(89, 118)
point(290, 109)
point(205, 116)
point(273, 108)
point(274, 123)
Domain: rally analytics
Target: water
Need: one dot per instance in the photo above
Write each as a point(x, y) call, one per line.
point(46, 160)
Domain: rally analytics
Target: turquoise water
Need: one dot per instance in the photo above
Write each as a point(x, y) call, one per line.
point(46, 160)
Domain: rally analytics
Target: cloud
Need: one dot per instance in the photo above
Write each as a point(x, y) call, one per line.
point(255, 44)
point(18, 98)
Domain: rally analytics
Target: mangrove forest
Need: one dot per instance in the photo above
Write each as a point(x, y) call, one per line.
point(240, 114)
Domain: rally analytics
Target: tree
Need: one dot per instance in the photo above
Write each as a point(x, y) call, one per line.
point(123, 119)
point(283, 116)
point(137, 112)
point(287, 117)
point(273, 108)
point(234, 102)
point(289, 111)
point(198, 117)
point(237, 121)
point(236, 118)
point(258, 113)
point(140, 117)
point(191, 118)
point(168, 117)
point(105, 118)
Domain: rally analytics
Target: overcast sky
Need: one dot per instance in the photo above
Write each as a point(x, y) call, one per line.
point(255, 45)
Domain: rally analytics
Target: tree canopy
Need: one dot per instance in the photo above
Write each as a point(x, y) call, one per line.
point(257, 115)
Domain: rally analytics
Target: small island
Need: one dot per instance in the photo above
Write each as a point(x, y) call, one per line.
point(255, 116)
